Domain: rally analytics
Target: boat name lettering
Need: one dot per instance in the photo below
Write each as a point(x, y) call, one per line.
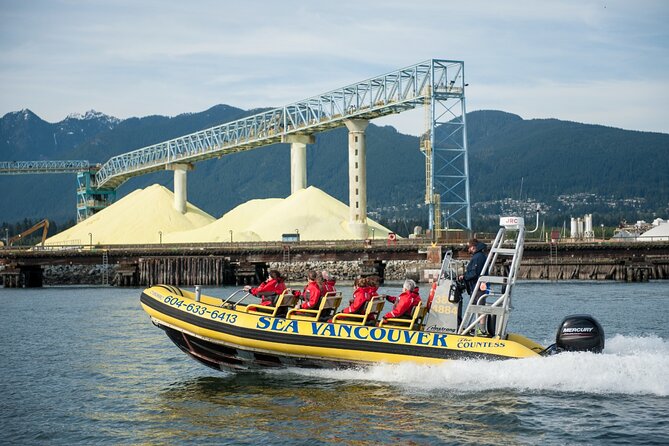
point(277, 324)
point(465, 343)
point(362, 333)
point(578, 330)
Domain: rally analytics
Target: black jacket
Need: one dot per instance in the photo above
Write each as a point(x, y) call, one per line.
point(474, 267)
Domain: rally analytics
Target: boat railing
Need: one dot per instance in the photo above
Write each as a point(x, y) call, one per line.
point(447, 267)
point(226, 301)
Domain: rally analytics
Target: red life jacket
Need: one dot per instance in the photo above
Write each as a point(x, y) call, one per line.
point(268, 290)
point(329, 286)
point(404, 304)
point(360, 298)
point(312, 292)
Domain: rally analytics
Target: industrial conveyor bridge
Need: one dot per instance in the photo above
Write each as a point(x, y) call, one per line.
point(427, 84)
point(436, 85)
point(35, 167)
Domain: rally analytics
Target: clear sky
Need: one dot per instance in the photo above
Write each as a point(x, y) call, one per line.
point(601, 62)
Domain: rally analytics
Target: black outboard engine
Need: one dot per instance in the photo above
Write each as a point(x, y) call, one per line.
point(579, 333)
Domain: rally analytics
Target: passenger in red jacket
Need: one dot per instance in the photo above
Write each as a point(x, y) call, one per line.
point(405, 302)
point(372, 291)
point(270, 289)
point(361, 296)
point(328, 283)
point(365, 290)
point(312, 292)
point(373, 285)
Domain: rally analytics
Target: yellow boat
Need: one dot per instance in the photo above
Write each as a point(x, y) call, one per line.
point(233, 334)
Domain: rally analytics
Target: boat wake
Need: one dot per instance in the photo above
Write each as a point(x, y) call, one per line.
point(629, 365)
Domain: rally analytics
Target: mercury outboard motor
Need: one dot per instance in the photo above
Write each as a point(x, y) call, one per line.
point(578, 333)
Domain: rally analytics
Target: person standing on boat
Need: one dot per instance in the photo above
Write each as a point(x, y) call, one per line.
point(312, 292)
point(405, 302)
point(270, 289)
point(328, 283)
point(471, 276)
point(475, 265)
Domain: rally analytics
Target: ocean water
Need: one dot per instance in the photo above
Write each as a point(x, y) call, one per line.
point(84, 365)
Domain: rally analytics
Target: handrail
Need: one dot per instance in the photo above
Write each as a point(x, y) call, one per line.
point(230, 297)
point(343, 245)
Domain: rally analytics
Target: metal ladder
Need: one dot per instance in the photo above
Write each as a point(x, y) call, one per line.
point(105, 268)
point(497, 288)
point(553, 253)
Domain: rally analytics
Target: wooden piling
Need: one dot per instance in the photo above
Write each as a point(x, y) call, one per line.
point(197, 270)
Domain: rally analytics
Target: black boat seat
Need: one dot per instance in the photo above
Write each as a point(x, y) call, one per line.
point(374, 307)
point(285, 301)
point(329, 304)
point(413, 323)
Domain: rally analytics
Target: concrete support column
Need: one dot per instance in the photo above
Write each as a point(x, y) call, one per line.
point(357, 177)
point(298, 160)
point(180, 185)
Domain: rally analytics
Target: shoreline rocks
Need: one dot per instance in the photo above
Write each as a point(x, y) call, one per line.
point(343, 272)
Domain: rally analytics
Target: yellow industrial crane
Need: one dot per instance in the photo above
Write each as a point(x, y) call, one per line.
point(42, 224)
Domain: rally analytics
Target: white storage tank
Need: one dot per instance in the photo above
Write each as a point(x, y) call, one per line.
point(588, 223)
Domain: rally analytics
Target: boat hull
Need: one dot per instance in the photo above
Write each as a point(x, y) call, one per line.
point(230, 338)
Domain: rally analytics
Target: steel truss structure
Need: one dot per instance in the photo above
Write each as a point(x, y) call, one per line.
point(450, 164)
point(28, 167)
point(436, 84)
point(439, 83)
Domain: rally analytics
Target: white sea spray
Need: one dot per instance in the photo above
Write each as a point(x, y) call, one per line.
point(629, 365)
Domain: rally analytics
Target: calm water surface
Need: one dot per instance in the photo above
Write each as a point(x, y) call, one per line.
point(86, 366)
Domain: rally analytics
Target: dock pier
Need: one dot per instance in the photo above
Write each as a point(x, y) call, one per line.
point(238, 264)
